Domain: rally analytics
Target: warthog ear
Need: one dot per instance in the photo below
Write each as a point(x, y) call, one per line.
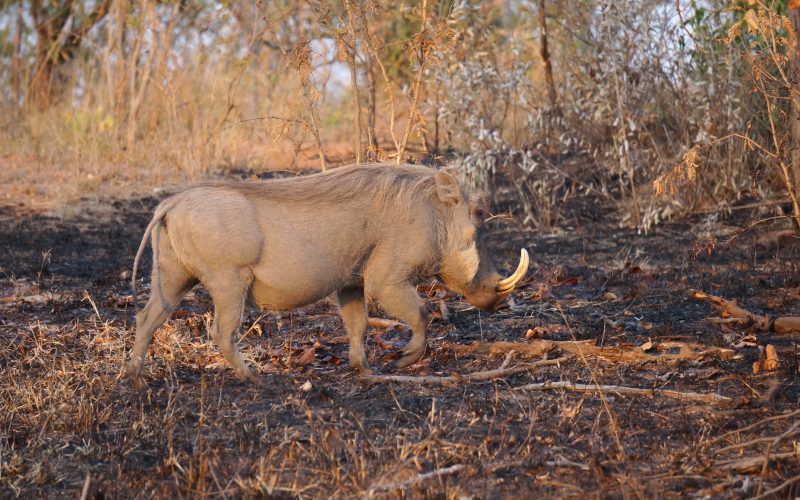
point(447, 188)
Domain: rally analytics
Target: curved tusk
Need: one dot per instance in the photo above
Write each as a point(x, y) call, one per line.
point(508, 284)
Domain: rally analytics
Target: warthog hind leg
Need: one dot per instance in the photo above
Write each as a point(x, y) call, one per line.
point(403, 302)
point(354, 313)
point(228, 294)
point(170, 282)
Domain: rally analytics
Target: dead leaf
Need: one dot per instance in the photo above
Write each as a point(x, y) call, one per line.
point(333, 440)
point(308, 356)
point(750, 19)
point(568, 281)
point(124, 300)
point(793, 4)
point(542, 330)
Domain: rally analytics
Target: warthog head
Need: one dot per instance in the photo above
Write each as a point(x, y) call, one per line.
point(466, 264)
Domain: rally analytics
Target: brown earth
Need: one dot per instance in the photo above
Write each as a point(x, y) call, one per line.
point(312, 428)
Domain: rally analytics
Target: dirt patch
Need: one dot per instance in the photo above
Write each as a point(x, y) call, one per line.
point(312, 428)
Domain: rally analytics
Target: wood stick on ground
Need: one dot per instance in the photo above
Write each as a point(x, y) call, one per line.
point(615, 354)
point(786, 324)
point(86, 482)
point(483, 376)
point(530, 349)
point(626, 391)
point(729, 308)
point(414, 480)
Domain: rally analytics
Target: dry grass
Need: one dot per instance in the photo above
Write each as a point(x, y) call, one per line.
point(312, 428)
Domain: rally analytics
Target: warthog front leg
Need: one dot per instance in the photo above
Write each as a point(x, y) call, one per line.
point(403, 302)
point(354, 313)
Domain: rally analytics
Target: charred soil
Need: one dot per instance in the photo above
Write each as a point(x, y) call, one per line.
point(70, 422)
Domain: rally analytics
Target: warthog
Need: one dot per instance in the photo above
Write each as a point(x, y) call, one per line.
point(367, 230)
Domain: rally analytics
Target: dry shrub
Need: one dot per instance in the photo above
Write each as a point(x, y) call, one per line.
point(163, 92)
point(638, 93)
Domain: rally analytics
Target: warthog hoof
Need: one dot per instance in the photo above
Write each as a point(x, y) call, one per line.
point(358, 362)
point(365, 370)
point(247, 375)
point(134, 372)
point(410, 356)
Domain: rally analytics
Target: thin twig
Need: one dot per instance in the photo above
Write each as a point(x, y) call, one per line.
point(483, 376)
point(750, 443)
point(754, 425)
point(751, 464)
point(626, 391)
point(775, 442)
point(779, 488)
point(414, 480)
point(261, 118)
point(86, 483)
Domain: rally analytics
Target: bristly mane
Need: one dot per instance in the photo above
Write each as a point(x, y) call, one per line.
point(380, 185)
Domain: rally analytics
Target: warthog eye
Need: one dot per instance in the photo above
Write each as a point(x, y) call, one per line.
point(477, 216)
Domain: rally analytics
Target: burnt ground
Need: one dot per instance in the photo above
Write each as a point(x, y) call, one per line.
point(312, 428)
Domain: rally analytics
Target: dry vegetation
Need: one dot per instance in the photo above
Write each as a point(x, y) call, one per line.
point(648, 153)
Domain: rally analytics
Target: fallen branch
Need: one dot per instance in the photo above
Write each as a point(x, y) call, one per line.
point(729, 309)
point(785, 325)
point(614, 354)
point(483, 376)
point(414, 480)
point(537, 348)
point(626, 391)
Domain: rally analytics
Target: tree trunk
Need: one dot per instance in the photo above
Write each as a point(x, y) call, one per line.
point(16, 69)
point(545, 54)
point(56, 47)
point(371, 111)
point(794, 17)
point(354, 79)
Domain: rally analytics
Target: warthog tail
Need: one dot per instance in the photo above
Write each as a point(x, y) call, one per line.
point(158, 216)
